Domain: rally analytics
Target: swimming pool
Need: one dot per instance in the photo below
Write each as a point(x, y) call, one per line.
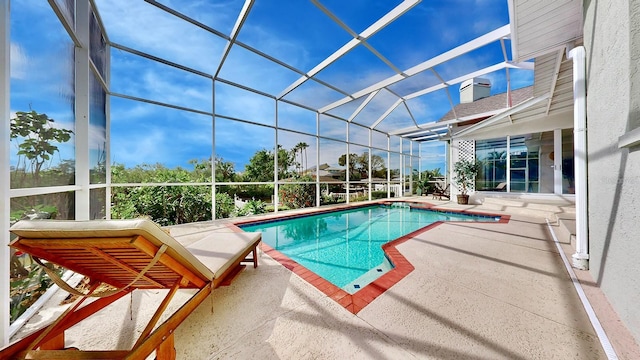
point(345, 247)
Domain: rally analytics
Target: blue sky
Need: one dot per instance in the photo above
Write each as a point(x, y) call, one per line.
point(296, 32)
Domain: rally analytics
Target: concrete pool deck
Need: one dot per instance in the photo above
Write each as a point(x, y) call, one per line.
point(478, 291)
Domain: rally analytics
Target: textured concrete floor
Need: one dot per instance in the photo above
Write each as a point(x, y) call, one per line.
point(478, 291)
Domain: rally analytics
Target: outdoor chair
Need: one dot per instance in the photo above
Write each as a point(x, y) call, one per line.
point(126, 255)
point(501, 187)
point(441, 192)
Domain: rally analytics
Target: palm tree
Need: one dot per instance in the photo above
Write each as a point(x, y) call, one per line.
point(294, 151)
point(303, 147)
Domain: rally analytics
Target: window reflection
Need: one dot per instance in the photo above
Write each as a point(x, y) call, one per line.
point(568, 179)
point(42, 99)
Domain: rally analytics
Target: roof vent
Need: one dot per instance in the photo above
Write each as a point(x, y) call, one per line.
point(474, 89)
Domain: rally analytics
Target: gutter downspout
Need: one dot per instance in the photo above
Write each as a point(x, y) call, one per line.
point(581, 256)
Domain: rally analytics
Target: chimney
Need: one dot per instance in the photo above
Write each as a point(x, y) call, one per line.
point(474, 89)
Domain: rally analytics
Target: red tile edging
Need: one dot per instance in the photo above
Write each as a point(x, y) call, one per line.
point(363, 297)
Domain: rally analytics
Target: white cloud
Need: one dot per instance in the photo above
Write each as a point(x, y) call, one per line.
point(147, 28)
point(19, 62)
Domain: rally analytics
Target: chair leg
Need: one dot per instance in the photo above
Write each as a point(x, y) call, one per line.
point(56, 343)
point(166, 350)
point(255, 256)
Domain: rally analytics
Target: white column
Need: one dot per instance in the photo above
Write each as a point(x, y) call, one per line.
point(370, 157)
point(347, 173)
point(82, 90)
point(581, 257)
point(508, 163)
point(318, 186)
point(107, 110)
point(276, 198)
point(213, 150)
point(388, 166)
point(5, 131)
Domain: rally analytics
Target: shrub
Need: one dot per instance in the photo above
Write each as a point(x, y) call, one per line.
point(253, 207)
point(224, 206)
point(380, 195)
point(297, 196)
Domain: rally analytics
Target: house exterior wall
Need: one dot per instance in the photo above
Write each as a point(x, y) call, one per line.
point(612, 43)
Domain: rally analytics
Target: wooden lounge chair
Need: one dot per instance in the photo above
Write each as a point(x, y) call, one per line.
point(441, 192)
point(127, 255)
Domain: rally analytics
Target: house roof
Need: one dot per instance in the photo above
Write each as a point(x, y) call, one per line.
point(488, 106)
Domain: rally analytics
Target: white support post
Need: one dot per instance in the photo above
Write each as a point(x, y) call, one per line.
point(214, 189)
point(370, 157)
point(581, 256)
point(107, 109)
point(318, 185)
point(388, 166)
point(82, 90)
point(347, 174)
point(401, 170)
point(276, 198)
point(5, 186)
point(508, 163)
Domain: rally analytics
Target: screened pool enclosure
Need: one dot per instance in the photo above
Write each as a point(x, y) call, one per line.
point(168, 107)
point(190, 111)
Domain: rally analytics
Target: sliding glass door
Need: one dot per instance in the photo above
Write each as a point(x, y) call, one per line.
point(525, 163)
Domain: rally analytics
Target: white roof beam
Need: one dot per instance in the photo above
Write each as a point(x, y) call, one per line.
point(386, 113)
point(426, 91)
point(242, 17)
point(323, 64)
point(371, 30)
point(389, 81)
point(478, 42)
point(410, 113)
point(556, 73)
point(362, 106)
point(458, 80)
point(483, 40)
point(513, 23)
point(428, 137)
point(388, 18)
point(525, 65)
point(453, 106)
point(382, 58)
point(426, 131)
point(431, 125)
point(507, 75)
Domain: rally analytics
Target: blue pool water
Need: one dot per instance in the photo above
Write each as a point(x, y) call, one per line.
point(345, 247)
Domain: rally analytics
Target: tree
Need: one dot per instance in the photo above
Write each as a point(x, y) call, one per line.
point(353, 161)
point(261, 165)
point(377, 167)
point(359, 165)
point(225, 171)
point(294, 153)
point(303, 147)
point(39, 134)
point(300, 147)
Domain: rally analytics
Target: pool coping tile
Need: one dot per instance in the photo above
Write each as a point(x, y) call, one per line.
point(366, 295)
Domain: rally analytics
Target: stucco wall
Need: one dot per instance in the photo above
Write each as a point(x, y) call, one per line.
point(614, 174)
